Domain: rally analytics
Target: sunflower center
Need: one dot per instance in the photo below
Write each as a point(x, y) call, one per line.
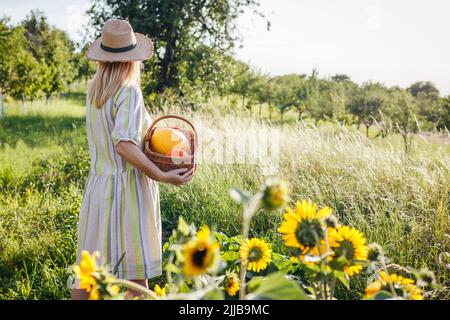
point(199, 256)
point(345, 249)
point(308, 232)
point(230, 283)
point(254, 255)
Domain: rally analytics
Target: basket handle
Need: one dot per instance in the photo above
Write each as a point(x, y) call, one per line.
point(169, 116)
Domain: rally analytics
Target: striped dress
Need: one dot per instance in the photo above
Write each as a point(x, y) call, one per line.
point(120, 211)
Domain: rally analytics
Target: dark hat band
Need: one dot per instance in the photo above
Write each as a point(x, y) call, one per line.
point(118, 50)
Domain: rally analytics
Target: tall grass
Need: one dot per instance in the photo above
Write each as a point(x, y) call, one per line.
point(400, 201)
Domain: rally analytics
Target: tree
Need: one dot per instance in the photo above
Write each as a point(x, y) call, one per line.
point(269, 96)
point(290, 93)
point(423, 87)
point(20, 73)
point(340, 77)
point(206, 72)
point(244, 78)
point(85, 68)
point(403, 111)
point(367, 103)
point(27, 79)
point(282, 108)
point(177, 27)
point(53, 48)
point(442, 121)
point(259, 88)
point(321, 97)
point(11, 43)
point(301, 95)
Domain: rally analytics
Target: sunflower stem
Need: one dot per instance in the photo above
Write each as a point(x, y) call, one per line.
point(322, 285)
point(327, 249)
point(248, 211)
point(243, 265)
point(197, 283)
point(332, 287)
point(384, 267)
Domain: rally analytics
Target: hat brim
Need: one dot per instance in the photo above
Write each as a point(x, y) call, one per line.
point(142, 51)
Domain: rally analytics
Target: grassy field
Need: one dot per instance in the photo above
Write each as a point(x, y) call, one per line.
point(400, 201)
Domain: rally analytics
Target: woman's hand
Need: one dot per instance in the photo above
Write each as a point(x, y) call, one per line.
point(177, 177)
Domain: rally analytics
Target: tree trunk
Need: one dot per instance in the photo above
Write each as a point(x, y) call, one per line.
point(300, 113)
point(47, 98)
point(168, 74)
point(260, 107)
point(87, 73)
point(2, 97)
point(282, 113)
point(270, 113)
point(24, 103)
point(405, 141)
point(367, 131)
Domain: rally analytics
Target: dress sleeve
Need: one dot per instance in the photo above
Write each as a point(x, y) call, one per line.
point(130, 116)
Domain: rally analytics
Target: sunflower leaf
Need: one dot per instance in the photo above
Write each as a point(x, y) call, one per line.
point(183, 227)
point(172, 268)
point(240, 196)
point(116, 267)
point(383, 295)
point(277, 287)
point(254, 283)
point(215, 294)
point(311, 268)
point(338, 263)
point(340, 275)
point(230, 256)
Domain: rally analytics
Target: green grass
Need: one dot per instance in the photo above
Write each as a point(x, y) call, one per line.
point(401, 202)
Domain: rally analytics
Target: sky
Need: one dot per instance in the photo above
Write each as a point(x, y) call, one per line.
point(396, 42)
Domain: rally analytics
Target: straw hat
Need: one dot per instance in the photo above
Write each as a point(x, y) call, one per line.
point(118, 42)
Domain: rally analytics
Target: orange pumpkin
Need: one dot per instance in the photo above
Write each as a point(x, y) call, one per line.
point(164, 140)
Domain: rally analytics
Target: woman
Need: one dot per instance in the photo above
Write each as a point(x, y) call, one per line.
point(120, 214)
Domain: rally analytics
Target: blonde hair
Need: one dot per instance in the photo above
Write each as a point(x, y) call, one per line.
point(110, 76)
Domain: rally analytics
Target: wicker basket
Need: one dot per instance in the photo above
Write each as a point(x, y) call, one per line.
point(167, 163)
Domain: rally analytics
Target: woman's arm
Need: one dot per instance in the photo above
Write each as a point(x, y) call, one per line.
point(131, 153)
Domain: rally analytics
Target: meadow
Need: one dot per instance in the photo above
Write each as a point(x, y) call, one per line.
point(400, 201)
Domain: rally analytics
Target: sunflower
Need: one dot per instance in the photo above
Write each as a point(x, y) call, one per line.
point(231, 284)
point(350, 243)
point(96, 280)
point(303, 228)
point(85, 273)
point(404, 287)
point(200, 254)
point(256, 253)
point(160, 291)
point(275, 194)
point(312, 255)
